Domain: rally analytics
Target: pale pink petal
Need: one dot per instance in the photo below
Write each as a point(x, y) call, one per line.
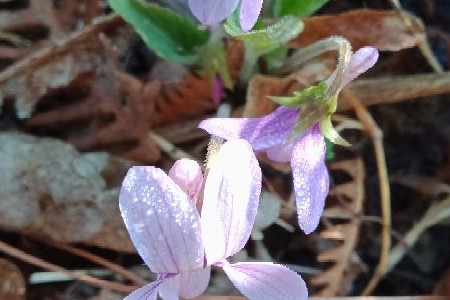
point(187, 173)
point(281, 153)
point(162, 222)
point(262, 133)
point(170, 288)
point(212, 12)
point(361, 61)
point(311, 181)
point(266, 281)
point(147, 292)
point(231, 200)
point(193, 284)
point(250, 10)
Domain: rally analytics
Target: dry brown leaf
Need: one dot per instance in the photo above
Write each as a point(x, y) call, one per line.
point(55, 66)
point(261, 87)
point(382, 29)
point(193, 97)
point(74, 91)
point(12, 283)
point(349, 196)
point(38, 23)
point(184, 100)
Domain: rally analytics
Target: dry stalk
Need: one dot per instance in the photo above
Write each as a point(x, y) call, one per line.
point(28, 258)
point(397, 89)
point(100, 261)
point(168, 147)
point(423, 45)
point(372, 129)
point(435, 214)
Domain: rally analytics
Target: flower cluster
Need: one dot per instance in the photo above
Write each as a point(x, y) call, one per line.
point(185, 222)
point(180, 244)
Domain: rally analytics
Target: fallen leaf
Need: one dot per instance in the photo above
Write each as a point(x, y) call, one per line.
point(343, 234)
point(382, 29)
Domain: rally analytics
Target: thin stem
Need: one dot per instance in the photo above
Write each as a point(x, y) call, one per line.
point(424, 46)
point(100, 261)
point(335, 43)
point(376, 134)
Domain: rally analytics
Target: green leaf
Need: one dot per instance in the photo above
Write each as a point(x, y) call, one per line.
point(275, 58)
point(214, 61)
point(262, 41)
point(170, 35)
point(299, 8)
point(265, 40)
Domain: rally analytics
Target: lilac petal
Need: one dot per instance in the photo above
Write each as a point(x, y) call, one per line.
point(170, 288)
point(231, 199)
point(212, 12)
point(163, 223)
point(281, 153)
point(188, 175)
point(311, 182)
point(266, 281)
point(193, 284)
point(186, 284)
point(250, 10)
point(147, 292)
point(262, 133)
point(361, 61)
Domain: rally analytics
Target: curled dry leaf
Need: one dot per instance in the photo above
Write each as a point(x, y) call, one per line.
point(73, 91)
point(382, 29)
point(35, 24)
point(349, 195)
point(12, 283)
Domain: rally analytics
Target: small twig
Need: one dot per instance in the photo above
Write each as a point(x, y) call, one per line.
point(372, 129)
point(435, 214)
point(100, 261)
point(169, 148)
point(14, 39)
point(397, 89)
point(423, 45)
point(19, 254)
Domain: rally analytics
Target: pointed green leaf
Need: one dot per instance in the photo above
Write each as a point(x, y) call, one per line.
point(313, 94)
point(327, 129)
point(170, 35)
point(299, 8)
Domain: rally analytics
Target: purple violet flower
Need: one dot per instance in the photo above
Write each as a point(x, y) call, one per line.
point(181, 244)
point(276, 135)
point(212, 12)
